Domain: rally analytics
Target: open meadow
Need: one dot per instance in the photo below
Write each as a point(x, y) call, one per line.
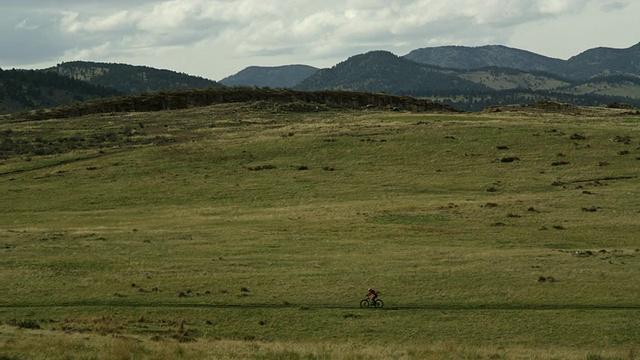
point(253, 231)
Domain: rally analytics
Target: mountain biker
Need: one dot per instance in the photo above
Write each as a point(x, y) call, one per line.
point(372, 294)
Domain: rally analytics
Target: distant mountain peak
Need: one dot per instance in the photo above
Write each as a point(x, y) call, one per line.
point(384, 72)
point(605, 61)
point(285, 76)
point(468, 58)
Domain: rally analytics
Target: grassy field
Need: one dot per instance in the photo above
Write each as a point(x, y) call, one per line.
point(243, 231)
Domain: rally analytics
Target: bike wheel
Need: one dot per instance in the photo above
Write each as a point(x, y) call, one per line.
point(364, 303)
point(379, 304)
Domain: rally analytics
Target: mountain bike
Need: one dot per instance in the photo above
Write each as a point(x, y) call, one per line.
point(366, 303)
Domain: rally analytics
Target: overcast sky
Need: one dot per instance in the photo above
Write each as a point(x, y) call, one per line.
point(218, 38)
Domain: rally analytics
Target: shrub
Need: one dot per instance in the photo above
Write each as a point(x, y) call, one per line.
point(25, 324)
point(263, 167)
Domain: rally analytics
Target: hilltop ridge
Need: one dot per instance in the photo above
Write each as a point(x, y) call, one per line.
point(289, 100)
point(131, 79)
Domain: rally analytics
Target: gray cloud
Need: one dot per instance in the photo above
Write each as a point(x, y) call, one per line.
point(30, 39)
point(614, 5)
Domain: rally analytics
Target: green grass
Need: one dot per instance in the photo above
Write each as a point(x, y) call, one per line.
point(258, 233)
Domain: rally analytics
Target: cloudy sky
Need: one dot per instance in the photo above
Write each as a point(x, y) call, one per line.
point(217, 38)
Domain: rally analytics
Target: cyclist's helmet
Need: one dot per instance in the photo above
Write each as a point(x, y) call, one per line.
point(369, 289)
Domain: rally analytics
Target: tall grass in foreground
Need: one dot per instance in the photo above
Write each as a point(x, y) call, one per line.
point(54, 346)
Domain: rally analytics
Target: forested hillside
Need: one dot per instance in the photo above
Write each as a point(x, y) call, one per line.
point(29, 89)
point(382, 71)
point(130, 79)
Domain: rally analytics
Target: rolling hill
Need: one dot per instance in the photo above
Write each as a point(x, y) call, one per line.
point(237, 231)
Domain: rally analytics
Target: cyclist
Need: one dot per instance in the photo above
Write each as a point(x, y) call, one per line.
point(372, 294)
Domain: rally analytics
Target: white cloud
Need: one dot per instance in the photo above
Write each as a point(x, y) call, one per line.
point(72, 22)
point(317, 25)
point(24, 25)
point(167, 16)
point(69, 21)
point(555, 7)
point(116, 21)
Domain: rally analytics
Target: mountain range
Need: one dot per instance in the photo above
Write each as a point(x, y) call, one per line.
point(472, 78)
point(595, 62)
point(592, 63)
point(468, 78)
